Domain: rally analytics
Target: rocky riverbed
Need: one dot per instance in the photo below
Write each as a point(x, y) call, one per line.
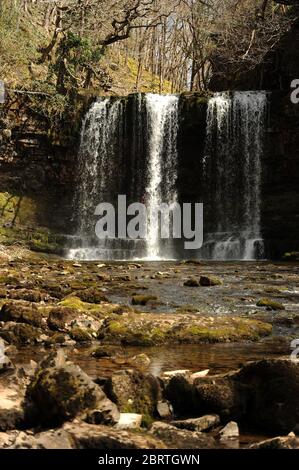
point(93, 352)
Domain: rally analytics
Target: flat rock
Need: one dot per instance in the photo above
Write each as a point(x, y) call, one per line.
point(129, 421)
point(204, 423)
point(175, 438)
point(289, 442)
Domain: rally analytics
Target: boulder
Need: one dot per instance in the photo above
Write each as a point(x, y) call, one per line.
point(134, 392)
point(181, 394)
point(270, 304)
point(60, 390)
point(175, 438)
point(129, 421)
point(273, 387)
point(192, 282)
point(12, 392)
point(20, 312)
point(143, 299)
point(210, 281)
point(52, 439)
point(91, 295)
point(21, 334)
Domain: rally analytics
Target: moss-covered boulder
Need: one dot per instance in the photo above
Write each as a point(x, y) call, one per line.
point(192, 282)
point(60, 391)
point(135, 392)
point(270, 304)
point(19, 312)
point(91, 295)
point(21, 334)
point(143, 299)
point(30, 295)
point(210, 281)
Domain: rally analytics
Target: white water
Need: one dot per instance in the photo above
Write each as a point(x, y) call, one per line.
point(233, 169)
point(162, 112)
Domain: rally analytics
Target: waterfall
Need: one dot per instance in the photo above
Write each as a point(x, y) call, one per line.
point(162, 113)
point(232, 174)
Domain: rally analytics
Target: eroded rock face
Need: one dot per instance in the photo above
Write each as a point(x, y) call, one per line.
point(60, 390)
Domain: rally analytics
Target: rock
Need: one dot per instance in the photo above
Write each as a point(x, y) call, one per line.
point(288, 442)
point(21, 334)
point(60, 390)
point(174, 373)
point(143, 299)
point(80, 325)
point(270, 304)
point(273, 388)
point(102, 352)
point(12, 391)
point(91, 295)
point(80, 336)
point(164, 410)
point(21, 313)
point(7, 438)
point(230, 431)
point(129, 421)
point(198, 375)
point(87, 436)
point(192, 282)
point(141, 361)
point(28, 295)
point(204, 423)
point(60, 318)
point(175, 438)
point(134, 392)
point(181, 394)
point(53, 439)
point(209, 281)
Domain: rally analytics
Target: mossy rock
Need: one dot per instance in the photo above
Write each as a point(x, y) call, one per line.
point(28, 295)
point(192, 282)
point(210, 281)
point(18, 312)
point(270, 304)
point(21, 334)
point(80, 335)
point(292, 256)
point(92, 296)
point(56, 339)
point(143, 299)
point(59, 316)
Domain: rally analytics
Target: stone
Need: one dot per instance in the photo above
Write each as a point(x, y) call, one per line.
point(209, 281)
point(129, 421)
point(141, 361)
point(174, 373)
point(19, 312)
point(204, 423)
point(202, 373)
point(289, 442)
point(143, 299)
point(175, 438)
point(12, 391)
point(230, 431)
point(270, 304)
point(181, 394)
point(88, 436)
point(164, 409)
point(91, 295)
point(192, 282)
point(134, 392)
point(53, 439)
point(59, 391)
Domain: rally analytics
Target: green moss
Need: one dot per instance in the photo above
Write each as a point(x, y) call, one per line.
point(80, 335)
point(143, 299)
point(292, 256)
point(270, 304)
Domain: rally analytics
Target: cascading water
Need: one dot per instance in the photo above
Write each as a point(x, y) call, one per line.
point(163, 123)
point(232, 174)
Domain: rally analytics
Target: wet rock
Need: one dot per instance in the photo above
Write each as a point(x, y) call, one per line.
point(230, 431)
point(141, 361)
point(80, 336)
point(21, 313)
point(181, 394)
point(175, 438)
point(270, 304)
point(288, 442)
point(129, 421)
point(12, 391)
point(80, 325)
point(204, 423)
point(87, 436)
point(192, 282)
point(210, 281)
point(60, 390)
point(143, 299)
point(102, 352)
point(134, 392)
